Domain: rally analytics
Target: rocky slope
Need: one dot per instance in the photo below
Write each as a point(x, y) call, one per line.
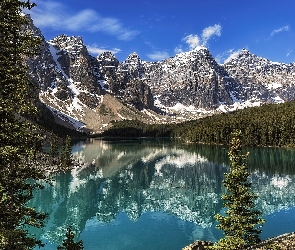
point(89, 92)
point(259, 79)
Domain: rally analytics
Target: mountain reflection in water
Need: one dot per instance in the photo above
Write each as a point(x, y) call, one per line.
point(134, 194)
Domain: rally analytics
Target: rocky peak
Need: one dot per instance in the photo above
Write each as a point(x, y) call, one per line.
point(107, 62)
point(191, 78)
point(42, 68)
point(259, 79)
point(133, 64)
point(71, 44)
point(244, 52)
point(133, 59)
point(71, 80)
point(75, 61)
point(245, 58)
point(107, 56)
point(30, 26)
point(131, 68)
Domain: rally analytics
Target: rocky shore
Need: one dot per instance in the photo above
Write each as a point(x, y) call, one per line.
point(198, 245)
point(281, 242)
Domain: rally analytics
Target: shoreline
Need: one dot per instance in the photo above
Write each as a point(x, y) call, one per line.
point(283, 242)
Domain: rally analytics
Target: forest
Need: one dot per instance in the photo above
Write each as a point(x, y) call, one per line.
point(267, 125)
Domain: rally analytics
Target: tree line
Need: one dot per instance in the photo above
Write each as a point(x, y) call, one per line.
point(267, 125)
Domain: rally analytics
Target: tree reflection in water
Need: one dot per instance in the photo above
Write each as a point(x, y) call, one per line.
point(145, 178)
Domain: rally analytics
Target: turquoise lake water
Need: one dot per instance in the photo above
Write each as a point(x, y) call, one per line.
point(158, 194)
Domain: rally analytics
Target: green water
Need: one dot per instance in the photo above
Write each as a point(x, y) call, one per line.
point(158, 194)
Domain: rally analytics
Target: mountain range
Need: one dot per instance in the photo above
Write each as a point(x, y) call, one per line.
point(87, 93)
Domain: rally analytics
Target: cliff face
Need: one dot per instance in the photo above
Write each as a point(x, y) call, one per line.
point(73, 83)
point(79, 68)
point(191, 78)
point(125, 80)
point(259, 79)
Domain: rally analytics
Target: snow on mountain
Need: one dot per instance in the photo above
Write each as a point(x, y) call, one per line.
point(187, 86)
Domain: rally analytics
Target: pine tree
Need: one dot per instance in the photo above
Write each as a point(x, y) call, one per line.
point(69, 243)
point(241, 221)
point(19, 138)
point(66, 160)
point(53, 145)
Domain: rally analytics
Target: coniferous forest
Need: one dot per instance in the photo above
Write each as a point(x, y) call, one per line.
point(267, 125)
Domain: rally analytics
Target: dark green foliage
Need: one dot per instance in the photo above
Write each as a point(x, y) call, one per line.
point(268, 125)
point(66, 160)
point(20, 140)
point(54, 145)
point(60, 153)
point(135, 128)
point(241, 221)
point(69, 243)
point(46, 120)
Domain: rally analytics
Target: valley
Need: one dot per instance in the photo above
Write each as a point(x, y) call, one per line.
point(87, 93)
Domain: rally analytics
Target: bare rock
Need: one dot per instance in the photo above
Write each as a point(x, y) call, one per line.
point(198, 245)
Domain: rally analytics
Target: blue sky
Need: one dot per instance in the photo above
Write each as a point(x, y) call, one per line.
point(158, 29)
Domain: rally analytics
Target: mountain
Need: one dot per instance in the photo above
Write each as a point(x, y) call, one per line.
point(258, 79)
point(87, 93)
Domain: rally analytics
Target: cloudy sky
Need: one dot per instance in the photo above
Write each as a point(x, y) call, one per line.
point(158, 29)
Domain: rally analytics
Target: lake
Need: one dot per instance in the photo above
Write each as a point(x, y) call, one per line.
point(158, 194)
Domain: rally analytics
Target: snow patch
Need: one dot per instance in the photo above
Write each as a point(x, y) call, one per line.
point(280, 182)
point(122, 117)
point(274, 85)
point(76, 123)
point(145, 111)
point(278, 99)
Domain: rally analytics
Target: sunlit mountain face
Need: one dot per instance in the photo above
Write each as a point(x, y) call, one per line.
point(140, 182)
point(87, 93)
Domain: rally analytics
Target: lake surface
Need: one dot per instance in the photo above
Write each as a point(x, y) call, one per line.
point(158, 194)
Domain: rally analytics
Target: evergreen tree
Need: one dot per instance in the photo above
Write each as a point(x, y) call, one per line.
point(19, 138)
point(53, 145)
point(241, 221)
point(66, 160)
point(69, 243)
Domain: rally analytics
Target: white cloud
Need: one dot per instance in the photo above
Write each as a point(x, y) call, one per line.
point(233, 55)
point(282, 29)
point(158, 56)
point(128, 35)
point(95, 50)
point(222, 56)
point(192, 40)
point(289, 52)
point(47, 13)
point(227, 55)
point(54, 15)
point(81, 20)
point(178, 49)
point(209, 32)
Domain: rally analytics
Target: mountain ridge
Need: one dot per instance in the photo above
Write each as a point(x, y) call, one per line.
point(187, 86)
